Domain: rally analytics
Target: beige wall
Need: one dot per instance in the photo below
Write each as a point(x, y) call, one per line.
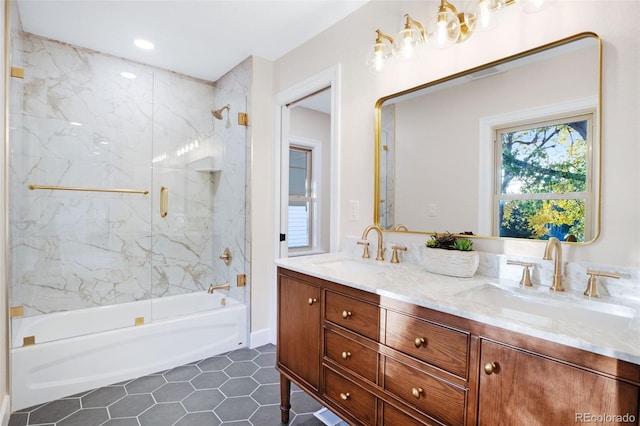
point(263, 204)
point(4, 339)
point(346, 42)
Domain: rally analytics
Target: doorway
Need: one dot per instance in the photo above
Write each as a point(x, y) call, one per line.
point(308, 180)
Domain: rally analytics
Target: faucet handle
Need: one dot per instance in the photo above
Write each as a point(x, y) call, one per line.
point(526, 275)
point(365, 253)
point(394, 257)
point(592, 283)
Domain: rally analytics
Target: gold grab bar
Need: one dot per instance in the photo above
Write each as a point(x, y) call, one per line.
point(74, 188)
point(164, 201)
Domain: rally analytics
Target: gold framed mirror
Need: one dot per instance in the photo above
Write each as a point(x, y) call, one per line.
point(509, 149)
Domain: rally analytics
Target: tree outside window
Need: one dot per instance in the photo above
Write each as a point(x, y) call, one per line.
point(544, 180)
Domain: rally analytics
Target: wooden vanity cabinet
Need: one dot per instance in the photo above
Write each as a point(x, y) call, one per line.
point(523, 387)
point(379, 361)
point(298, 349)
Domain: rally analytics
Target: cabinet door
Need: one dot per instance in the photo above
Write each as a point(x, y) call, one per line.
point(299, 329)
point(522, 388)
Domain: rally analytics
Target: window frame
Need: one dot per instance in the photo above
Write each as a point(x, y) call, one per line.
point(588, 195)
point(314, 159)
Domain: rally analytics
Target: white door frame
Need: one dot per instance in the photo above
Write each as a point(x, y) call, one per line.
point(329, 78)
point(326, 79)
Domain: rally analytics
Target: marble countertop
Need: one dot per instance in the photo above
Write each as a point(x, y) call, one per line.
point(605, 326)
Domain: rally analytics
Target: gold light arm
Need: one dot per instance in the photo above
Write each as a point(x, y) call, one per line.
point(409, 22)
point(381, 36)
point(74, 188)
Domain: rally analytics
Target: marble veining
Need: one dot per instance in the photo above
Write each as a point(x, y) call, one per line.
point(409, 282)
point(76, 122)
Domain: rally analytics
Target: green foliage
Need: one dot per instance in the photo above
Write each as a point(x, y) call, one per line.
point(448, 241)
point(541, 160)
point(463, 244)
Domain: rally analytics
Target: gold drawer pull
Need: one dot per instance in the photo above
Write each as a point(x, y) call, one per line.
point(419, 342)
point(312, 301)
point(417, 392)
point(346, 355)
point(346, 314)
point(344, 396)
point(491, 367)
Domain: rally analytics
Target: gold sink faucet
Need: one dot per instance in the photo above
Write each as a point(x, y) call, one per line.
point(553, 244)
point(365, 243)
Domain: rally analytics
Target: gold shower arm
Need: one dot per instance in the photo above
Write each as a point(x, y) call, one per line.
point(74, 188)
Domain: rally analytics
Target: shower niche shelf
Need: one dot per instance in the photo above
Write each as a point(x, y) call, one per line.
point(206, 164)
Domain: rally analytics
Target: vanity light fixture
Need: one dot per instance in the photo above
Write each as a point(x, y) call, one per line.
point(143, 44)
point(443, 30)
point(448, 27)
point(409, 39)
point(380, 53)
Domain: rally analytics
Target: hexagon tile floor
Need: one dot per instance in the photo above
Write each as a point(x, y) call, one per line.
point(241, 387)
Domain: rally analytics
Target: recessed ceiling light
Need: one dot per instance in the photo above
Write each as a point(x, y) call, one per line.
point(128, 75)
point(143, 44)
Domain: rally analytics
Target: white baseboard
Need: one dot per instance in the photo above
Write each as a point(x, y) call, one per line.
point(261, 338)
point(5, 410)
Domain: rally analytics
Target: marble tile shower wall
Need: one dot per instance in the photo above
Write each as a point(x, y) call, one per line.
point(73, 250)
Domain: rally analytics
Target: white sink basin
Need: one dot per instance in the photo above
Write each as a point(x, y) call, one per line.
point(536, 308)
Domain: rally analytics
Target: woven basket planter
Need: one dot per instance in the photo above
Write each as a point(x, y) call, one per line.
point(454, 263)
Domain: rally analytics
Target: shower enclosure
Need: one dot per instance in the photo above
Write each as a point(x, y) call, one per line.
point(125, 189)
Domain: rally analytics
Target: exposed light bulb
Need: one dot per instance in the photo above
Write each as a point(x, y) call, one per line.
point(378, 61)
point(486, 14)
point(407, 47)
point(441, 32)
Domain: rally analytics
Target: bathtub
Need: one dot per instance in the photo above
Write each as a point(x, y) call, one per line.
point(87, 348)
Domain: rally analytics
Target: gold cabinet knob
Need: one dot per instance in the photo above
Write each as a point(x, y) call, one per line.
point(419, 341)
point(346, 314)
point(491, 367)
point(344, 396)
point(346, 355)
point(417, 392)
point(312, 301)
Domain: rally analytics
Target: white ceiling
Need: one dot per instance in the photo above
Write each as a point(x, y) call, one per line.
point(200, 38)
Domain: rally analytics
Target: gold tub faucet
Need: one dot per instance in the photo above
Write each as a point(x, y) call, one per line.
point(224, 286)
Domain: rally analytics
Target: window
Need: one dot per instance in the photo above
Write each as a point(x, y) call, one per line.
point(543, 184)
point(301, 200)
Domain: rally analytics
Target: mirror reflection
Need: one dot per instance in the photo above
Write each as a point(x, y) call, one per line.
point(508, 149)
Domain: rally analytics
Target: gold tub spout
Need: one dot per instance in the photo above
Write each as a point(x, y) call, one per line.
point(224, 286)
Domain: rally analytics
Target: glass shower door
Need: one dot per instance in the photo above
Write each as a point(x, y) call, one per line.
point(80, 176)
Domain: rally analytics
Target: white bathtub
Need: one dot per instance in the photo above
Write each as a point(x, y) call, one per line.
point(88, 348)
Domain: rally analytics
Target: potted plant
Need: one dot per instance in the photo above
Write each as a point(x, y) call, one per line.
point(448, 254)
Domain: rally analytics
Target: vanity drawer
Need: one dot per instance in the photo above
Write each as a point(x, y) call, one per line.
point(434, 397)
point(429, 342)
point(354, 399)
point(356, 315)
point(351, 355)
point(392, 416)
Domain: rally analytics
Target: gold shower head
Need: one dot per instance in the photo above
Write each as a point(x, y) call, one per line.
point(217, 113)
